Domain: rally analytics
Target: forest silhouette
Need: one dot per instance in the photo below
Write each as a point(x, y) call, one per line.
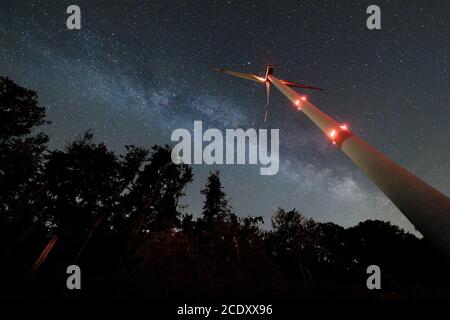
point(119, 218)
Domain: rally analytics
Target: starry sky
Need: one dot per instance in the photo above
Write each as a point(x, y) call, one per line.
point(137, 70)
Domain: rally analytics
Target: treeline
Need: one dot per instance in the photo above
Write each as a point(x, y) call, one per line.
point(119, 218)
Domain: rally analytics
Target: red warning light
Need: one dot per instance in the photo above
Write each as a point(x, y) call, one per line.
point(333, 133)
point(303, 98)
point(297, 102)
point(339, 134)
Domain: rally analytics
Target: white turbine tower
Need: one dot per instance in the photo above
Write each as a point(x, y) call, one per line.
point(426, 207)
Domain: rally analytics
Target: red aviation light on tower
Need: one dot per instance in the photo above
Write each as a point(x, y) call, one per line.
point(332, 133)
point(339, 134)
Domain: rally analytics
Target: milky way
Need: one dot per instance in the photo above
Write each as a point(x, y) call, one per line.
point(137, 70)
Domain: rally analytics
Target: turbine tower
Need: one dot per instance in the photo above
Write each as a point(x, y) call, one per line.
point(426, 207)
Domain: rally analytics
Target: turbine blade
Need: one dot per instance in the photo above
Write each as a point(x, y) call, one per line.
point(266, 113)
point(247, 76)
point(299, 85)
point(267, 93)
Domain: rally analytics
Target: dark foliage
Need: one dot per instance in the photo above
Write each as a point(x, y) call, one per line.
point(119, 219)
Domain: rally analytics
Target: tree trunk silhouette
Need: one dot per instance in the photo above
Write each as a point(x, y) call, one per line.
point(141, 218)
point(88, 238)
point(309, 275)
point(302, 270)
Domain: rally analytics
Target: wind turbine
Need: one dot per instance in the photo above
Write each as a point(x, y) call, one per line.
point(265, 80)
point(426, 207)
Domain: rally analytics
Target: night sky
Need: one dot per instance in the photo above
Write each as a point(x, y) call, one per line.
point(137, 70)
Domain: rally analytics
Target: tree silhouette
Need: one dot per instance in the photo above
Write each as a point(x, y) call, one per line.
point(120, 218)
point(295, 241)
point(21, 154)
point(153, 200)
point(215, 205)
point(83, 183)
point(21, 151)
